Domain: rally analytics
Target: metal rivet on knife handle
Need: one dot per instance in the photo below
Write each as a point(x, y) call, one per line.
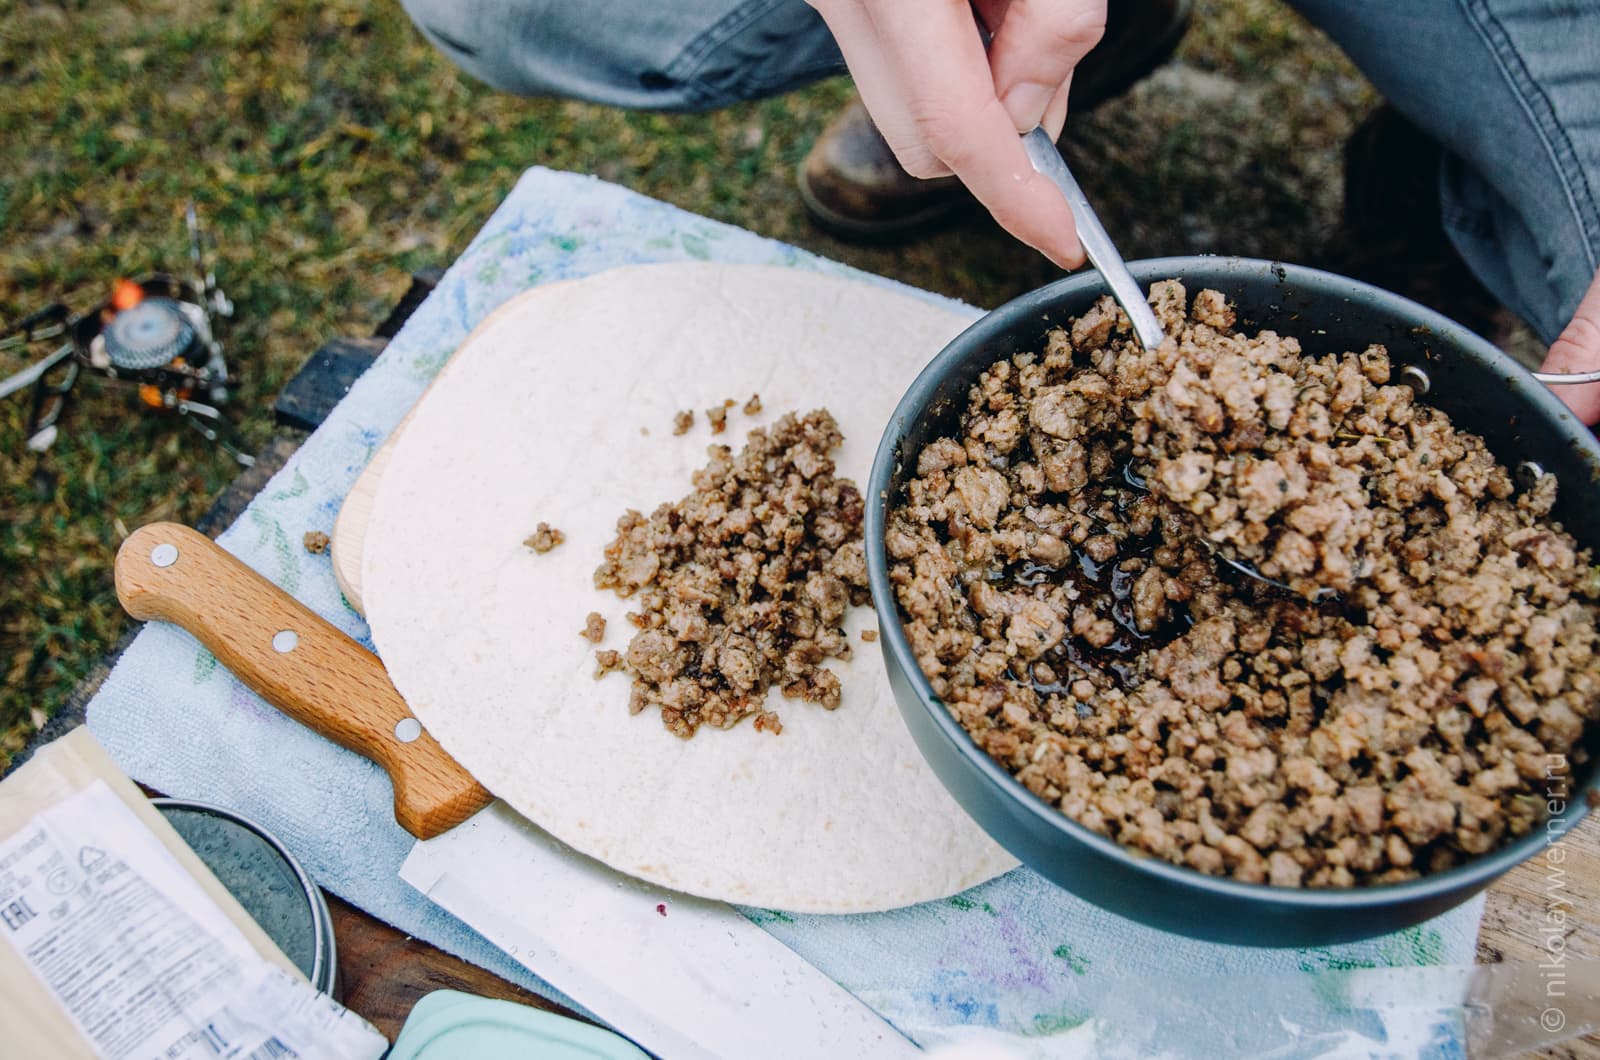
point(164, 554)
point(297, 662)
point(407, 729)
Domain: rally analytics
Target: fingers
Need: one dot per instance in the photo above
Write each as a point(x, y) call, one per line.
point(880, 87)
point(983, 150)
point(991, 13)
point(1055, 115)
point(924, 76)
point(1578, 350)
point(1035, 49)
point(957, 116)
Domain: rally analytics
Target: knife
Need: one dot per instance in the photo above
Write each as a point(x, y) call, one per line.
point(682, 976)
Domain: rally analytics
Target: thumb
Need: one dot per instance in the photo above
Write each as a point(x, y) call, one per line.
point(1035, 49)
point(1578, 350)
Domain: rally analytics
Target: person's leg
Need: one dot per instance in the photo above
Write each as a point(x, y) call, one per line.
point(1511, 90)
point(675, 55)
point(1392, 234)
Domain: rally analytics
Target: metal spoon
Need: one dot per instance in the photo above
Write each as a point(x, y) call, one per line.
point(1047, 161)
point(1320, 595)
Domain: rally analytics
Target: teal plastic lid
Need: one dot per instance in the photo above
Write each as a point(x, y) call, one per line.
point(450, 1025)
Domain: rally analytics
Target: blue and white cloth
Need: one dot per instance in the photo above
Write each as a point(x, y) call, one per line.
point(1016, 954)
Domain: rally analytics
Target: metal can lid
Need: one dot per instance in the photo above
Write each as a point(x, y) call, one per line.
point(267, 881)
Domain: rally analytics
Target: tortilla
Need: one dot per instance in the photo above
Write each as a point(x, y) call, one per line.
point(538, 420)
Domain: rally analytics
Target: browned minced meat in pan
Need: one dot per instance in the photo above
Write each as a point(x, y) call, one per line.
point(1049, 566)
point(594, 628)
point(744, 583)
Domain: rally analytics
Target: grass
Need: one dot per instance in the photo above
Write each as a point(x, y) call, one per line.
point(331, 151)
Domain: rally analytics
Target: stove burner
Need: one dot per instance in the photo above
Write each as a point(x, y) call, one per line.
point(154, 338)
point(148, 335)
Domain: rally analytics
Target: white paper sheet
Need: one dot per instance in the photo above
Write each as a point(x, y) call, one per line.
point(141, 961)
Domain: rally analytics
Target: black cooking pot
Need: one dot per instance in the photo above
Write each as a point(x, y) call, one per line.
point(1478, 386)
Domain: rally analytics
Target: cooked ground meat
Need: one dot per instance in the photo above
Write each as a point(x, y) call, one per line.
point(594, 628)
point(744, 583)
point(869, 635)
point(1054, 568)
point(315, 542)
point(682, 421)
point(544, 538)
point(752, 406)
point(605, 661)
point(718, 415)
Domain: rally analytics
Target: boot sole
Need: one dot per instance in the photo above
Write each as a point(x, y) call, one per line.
point(853, 229)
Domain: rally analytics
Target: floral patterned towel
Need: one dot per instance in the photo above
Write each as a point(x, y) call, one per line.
point(1016, 954)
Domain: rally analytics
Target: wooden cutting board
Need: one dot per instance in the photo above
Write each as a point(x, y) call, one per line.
point(350, 528)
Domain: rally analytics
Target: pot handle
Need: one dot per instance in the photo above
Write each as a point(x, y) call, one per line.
point(1567, 378)
point(297, 662)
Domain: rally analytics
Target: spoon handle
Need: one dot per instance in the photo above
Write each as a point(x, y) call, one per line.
point(1097, 244)
point(1567, 378)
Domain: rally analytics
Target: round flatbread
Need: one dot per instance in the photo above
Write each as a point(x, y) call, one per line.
point(560, 409)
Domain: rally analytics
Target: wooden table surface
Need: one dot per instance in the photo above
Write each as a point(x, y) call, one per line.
point(1547, 910)
point(1550, 904)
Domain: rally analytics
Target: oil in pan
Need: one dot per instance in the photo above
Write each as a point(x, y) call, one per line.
point(266, 880)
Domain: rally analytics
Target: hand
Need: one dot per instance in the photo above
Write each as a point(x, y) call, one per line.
point(1578, 350)
point(945, 106)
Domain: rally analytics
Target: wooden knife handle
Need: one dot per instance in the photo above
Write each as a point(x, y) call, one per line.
point(298, 663)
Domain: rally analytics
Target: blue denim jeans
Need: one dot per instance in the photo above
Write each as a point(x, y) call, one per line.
point(676, 55)
point(1510, 88)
